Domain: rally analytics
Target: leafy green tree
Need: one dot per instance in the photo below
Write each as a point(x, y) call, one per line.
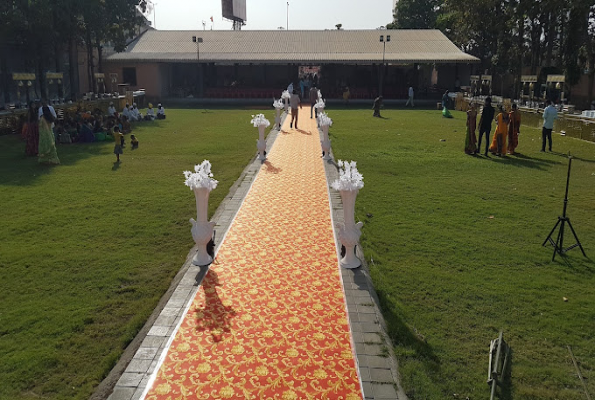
point(415, 14)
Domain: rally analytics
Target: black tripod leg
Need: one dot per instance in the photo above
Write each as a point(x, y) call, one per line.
point(576, 237)
point(558, 241)
point(549, 237)
point(562, 235)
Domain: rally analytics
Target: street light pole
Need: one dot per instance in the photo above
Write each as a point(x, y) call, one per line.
point(287, 16)
point(198, 40)
point(381, 79)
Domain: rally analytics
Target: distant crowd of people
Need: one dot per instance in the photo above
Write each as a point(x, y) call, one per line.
point(42, 129)
point(508, 124)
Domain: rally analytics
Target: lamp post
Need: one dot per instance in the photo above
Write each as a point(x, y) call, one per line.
point(198, 40)
point(383, 54)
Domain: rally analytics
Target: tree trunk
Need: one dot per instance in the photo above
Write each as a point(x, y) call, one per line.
point(550, 39)
point(520, 44)
point(72, 68)
point(4, 74)
point(590, 88)
point(90, 64)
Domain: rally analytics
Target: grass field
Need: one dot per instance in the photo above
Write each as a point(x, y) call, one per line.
point(88, 248)
point(454, 246)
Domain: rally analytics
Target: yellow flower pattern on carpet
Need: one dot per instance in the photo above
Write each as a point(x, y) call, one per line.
point(269, 321)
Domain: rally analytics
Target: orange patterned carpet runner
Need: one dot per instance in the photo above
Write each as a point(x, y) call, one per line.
point(270, 321)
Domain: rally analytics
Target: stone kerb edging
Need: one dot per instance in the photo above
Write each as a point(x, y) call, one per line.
point(379, 373)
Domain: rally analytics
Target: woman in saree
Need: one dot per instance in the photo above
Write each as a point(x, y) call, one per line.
point(514, 128)
point(499, 142)
point(32, 134)
point(471, 139)
point(47, 141)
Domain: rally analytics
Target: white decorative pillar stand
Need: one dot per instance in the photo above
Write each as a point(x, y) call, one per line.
point(201, 182)
point(261, 144)
point(260, 122)
point(285, 97)
point(202, 230)
point(278, 118)
point(325, 123)
point(326, 143)
point(348, 184)
point(349, 232)
point(278, 104)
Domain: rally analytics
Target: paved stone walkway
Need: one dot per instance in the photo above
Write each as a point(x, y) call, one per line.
point(377, 365)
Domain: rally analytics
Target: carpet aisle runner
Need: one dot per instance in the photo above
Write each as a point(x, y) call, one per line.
point(269, 321)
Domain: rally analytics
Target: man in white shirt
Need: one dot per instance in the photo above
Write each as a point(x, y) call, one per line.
point(410, 97)
point(150, 113)
point(550, 114)
point(126, 112)
point(136, 115)
point(111, 110)
point(160, 112)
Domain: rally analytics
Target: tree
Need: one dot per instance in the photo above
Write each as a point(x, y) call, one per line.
point(339, 26)
point(415, 14)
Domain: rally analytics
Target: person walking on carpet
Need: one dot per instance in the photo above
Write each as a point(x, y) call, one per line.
point(294, 101)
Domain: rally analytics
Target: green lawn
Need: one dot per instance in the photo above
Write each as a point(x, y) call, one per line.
point(454, 246)
point(88, 249)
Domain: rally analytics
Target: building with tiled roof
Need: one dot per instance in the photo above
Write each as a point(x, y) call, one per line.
point(171, 63)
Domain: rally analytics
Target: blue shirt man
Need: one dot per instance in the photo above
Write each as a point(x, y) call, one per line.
point(550, 114)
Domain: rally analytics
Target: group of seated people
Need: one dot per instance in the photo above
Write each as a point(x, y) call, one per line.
point(134, 114)
point(87, 127)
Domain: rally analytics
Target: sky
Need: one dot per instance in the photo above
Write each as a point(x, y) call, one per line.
point(271, 14)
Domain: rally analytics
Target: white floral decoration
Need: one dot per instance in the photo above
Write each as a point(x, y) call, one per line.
point(259, 120)
point(349, 177)
point(202, 177)
point(278, 104)
point(319, 94)
point(320, 104)
point(324, 119)
point(285, 95)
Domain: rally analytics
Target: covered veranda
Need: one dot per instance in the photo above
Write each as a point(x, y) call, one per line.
point(258, 64)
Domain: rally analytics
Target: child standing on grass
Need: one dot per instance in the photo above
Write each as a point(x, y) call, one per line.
point(118, 137)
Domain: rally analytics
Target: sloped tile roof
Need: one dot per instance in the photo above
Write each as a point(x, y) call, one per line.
point(278, 46)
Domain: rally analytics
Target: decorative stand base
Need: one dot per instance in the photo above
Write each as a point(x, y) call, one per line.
point(326, 148)
point(349, 237)
point(202, 233)
point(261, 145)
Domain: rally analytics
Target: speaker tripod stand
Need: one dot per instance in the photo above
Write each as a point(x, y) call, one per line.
point(562, 221)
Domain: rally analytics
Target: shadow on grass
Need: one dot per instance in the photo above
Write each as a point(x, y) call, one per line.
point(19, 170)
point(521, 160)
point(403, 336)
point(506, 385)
